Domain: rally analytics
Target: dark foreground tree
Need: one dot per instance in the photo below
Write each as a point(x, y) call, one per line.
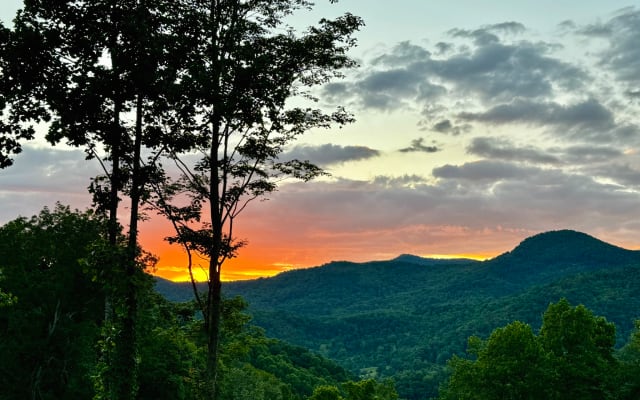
point(49, 330)
point(99, 71)
point(238, 103)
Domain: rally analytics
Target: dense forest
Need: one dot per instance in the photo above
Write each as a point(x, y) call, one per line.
point(405, 318)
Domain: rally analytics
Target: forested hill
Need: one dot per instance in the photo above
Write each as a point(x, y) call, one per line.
point(405, 317)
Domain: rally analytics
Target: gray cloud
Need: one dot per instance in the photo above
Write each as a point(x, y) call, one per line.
point(443, 48)
point(41, 177)
point(588, 119)
point(622, 55)
point(403, 54)
point(470, 198)
point(328, 154)
point(445, 126)
point(623, 174)
point(500, 149)
point(401, 181)
point(418, 146)
point(582, 154)
point(484, 170)
point(492, 71)
point(488, 34)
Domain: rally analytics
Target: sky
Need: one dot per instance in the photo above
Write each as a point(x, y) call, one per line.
point(478, 124)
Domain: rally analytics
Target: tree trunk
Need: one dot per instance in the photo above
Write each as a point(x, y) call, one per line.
point(214, 306)
point(214, 297)
point(128, 339)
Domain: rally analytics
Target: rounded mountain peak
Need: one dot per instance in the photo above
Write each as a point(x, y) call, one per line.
point(569, 246)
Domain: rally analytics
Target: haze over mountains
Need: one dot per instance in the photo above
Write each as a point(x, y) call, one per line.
point(405, 317)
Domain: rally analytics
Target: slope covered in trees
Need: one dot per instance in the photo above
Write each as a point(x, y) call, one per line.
point(405, 318)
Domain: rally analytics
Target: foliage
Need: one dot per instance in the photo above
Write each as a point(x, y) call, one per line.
point(51, 263)
point(580, 348)
point(326, 392)
point(572, 357)
point(629, 358)
point(48, 335)
point(97, 62)
point(368, 389)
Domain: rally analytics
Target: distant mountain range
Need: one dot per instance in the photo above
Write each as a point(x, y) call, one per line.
point(406, 317)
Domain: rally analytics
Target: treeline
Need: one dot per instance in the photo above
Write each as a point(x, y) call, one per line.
point(54, 343)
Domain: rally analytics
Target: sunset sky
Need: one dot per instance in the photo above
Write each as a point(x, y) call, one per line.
point(478, 124)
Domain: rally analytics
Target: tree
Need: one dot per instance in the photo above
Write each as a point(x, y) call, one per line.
point(243, 66)
point(215, 76)
point(19, 80)
point(370, 389)
point(580, 347)
point(572, 357)
point(509, 365)
point(326, 393)
point(48, 333)
point(629, 358)
point(101, 77)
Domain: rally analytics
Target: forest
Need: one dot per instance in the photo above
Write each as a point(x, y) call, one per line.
point(54, 344)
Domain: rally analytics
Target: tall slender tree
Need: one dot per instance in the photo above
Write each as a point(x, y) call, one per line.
point(244, 71)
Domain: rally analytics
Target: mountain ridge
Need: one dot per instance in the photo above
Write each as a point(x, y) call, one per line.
point(402, 319)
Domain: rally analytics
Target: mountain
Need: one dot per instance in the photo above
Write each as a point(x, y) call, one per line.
point(405, 317)
point(558, 253)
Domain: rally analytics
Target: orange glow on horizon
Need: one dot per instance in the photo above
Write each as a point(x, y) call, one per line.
point(273, 251)
point(246, 268)
point(476, 256)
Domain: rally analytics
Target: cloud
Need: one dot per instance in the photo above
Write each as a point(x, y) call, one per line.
point(404, 53)
point(399, 181)
point(488, 34)
point(582, 154)
point(500, 149)
point(497, 72)
point(622, 174)
point(622, 54)
point(42, 176)
point(409, 212)
point(418, 146)
point(587, 120)
point(484, 170)
point(330, 154)
point(492, 69)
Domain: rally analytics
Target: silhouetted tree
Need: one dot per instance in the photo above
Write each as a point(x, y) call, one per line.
point(242, 67)
point(99, 71)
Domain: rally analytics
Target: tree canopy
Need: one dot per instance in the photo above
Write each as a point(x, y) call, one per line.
point(571, 357)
